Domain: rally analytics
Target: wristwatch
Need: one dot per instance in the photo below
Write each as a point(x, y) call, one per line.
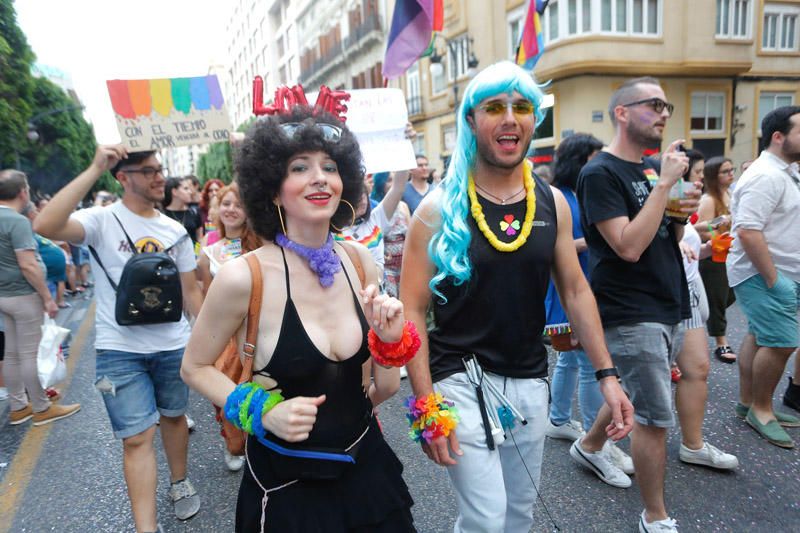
point(606, 372)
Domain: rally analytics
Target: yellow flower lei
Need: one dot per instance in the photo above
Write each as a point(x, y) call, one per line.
point(527, 225)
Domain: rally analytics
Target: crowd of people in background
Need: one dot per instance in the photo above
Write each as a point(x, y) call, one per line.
point(346, 255)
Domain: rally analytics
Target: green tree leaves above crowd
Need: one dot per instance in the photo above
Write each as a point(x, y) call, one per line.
point(16, 84)
point(218, 161)
point(65, 144)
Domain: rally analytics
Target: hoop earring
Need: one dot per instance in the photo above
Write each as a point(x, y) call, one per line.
point(280, 217)
point(340, 230)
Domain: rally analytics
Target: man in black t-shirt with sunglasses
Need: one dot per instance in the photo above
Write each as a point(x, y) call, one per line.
point(637, 277)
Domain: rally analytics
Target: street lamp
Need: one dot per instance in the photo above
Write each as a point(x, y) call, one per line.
point(32, 134)
point(465, 44)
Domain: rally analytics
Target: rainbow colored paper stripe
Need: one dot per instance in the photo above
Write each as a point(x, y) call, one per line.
point(135, 98)
point(557, 329)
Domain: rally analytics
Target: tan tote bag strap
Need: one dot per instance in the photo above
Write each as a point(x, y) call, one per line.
point(356, 260)
point(253, 317)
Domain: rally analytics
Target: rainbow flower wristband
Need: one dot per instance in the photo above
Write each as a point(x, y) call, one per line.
point(431, 417)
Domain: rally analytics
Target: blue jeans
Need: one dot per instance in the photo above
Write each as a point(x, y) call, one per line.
point(565, 377)
point(139, 388)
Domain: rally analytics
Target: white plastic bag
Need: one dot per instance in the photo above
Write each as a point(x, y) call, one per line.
point(50, 360)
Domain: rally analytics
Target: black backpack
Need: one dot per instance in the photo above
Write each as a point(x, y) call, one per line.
point(149, 289)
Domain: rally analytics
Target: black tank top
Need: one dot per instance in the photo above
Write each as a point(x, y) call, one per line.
point(300, 369)
point(499, 314)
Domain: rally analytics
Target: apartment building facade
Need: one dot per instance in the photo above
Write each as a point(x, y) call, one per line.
point(342, 42)
point(723, 63)
point(262, 41)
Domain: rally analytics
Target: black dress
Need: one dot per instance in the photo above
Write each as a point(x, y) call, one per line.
point(369, 495)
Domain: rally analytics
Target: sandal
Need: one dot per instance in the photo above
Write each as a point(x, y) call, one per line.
point(725, 354)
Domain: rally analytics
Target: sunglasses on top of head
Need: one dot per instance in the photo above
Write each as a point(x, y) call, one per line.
point(329, 132)
point(656, 104)
point(522, 108)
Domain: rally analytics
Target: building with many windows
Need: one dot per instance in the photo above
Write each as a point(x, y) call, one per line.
point(262, 41)
point(723, 63)
point(341, 43)
point(182, 160)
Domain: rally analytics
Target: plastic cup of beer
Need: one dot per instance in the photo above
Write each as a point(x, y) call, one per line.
point(676, 194)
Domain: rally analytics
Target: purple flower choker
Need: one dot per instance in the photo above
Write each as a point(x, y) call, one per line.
point(323, 261)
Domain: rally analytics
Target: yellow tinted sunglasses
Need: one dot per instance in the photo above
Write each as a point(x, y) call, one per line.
point(523, 108)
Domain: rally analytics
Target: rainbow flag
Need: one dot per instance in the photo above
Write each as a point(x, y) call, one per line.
point(413, 25)
point(531, 43)
point(370, 240)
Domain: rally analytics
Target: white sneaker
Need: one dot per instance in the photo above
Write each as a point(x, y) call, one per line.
point(601, 465)
point(233, 462)
point(570, 431)
point(709, 455)
point(3, 394)
point(190, 423)
point(619, 458)
point(668, 525)
point(403, 372)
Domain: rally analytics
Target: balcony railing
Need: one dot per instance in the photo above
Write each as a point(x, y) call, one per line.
point(359, 36)
point(371, 24)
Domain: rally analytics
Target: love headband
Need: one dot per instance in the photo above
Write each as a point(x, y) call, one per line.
point(286, 98)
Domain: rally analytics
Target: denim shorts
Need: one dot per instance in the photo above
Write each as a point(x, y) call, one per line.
point(138, 388)
point(643, 354)
point(771, 312)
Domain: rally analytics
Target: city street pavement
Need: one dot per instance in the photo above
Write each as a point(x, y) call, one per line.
point(67, 476)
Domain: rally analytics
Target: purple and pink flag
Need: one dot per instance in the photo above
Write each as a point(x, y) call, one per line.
point(413, 25)
point(531, 43)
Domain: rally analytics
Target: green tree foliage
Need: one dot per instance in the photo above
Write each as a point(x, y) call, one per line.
point(16, 84)
point(218, 161)
point(66, 141)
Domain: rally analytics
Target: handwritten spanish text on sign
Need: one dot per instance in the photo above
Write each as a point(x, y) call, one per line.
point(165, 113)
point(378, 118)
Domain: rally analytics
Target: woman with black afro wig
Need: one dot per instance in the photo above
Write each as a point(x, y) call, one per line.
point(262, 158)
point(316, 459)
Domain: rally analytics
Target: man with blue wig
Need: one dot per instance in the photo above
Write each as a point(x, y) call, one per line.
point(480, 251)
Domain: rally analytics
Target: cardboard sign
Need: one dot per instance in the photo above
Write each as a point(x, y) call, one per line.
point(378, 118)
point(165, 113)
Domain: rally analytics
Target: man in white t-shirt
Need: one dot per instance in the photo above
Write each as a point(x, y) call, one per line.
point(138, 367)
point(764, 271)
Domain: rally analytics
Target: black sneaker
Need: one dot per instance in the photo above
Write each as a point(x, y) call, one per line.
point(791, 398)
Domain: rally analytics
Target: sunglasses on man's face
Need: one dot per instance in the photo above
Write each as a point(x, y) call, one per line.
point(522, 108)
point(330, 132)
point(656, 104)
